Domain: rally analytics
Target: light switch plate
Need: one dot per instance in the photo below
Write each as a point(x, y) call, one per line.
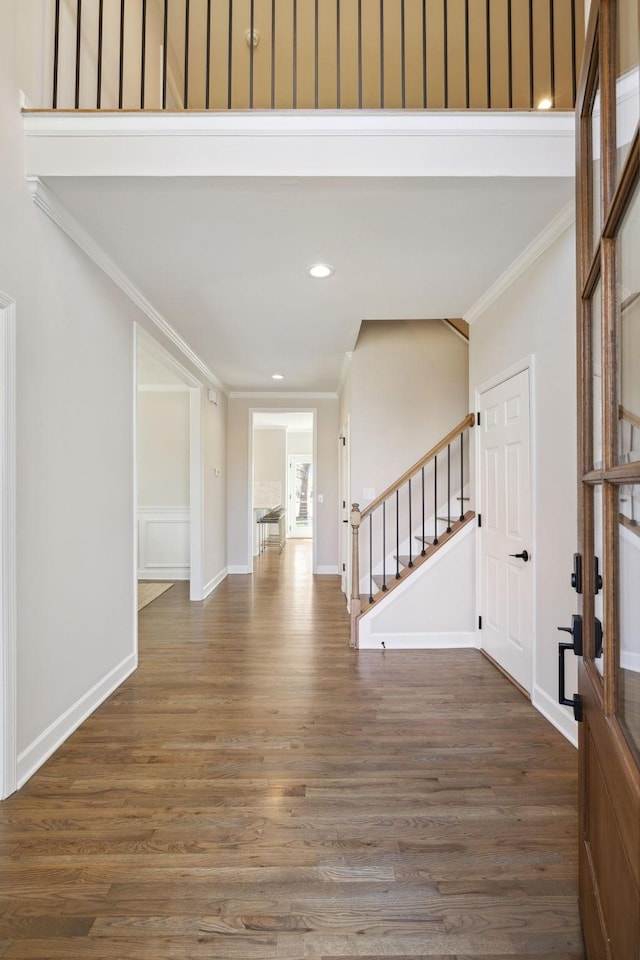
point(368, 493)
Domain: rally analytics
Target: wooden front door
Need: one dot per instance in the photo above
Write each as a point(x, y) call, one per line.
point(609, 480)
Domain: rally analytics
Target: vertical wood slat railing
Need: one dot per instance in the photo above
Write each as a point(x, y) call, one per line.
point(300, 54)
point(401, 492)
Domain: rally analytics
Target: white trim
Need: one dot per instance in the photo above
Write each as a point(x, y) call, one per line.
point(32, 758)
point(163, 388)
point(239, 568)
point(167, 359)
point(8, 602)
point(630, 660)
point(561, 222)
point(174, 513)
point(248, 395)
point(214, 582)
point(526, 364)
point(196, 493)
point(134, 500)
point(419, 641)
point(56, 210)
point(555, 713)
point(327, 570)
point(305, 123)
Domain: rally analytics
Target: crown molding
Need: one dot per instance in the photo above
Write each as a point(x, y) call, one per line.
point(63, 218)
point(281, 395)
point(561, 222)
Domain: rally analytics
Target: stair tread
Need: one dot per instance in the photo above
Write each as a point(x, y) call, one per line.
point(406, 559)
point(379, 579)
point(422, 539)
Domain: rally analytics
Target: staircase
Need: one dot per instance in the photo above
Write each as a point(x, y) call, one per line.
point(405, 527)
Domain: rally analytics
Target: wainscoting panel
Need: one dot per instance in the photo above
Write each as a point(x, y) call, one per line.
point(163, 543)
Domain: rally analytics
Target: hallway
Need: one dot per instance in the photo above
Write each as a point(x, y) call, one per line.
point(259, 790)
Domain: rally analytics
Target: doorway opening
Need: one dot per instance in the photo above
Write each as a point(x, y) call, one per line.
point(168, 473)
point(283, 498)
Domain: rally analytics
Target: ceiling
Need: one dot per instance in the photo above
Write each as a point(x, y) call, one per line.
point(224, 259)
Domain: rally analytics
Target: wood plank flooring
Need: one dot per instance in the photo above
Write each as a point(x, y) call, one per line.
point(259, 790)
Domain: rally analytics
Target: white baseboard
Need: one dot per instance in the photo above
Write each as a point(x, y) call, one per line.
point(561, 717)
point(331, 569)
point(166, 573)
point(214, 582)
point(239, 568)
point(630, 660)
point(417, 641)
point(32, 758)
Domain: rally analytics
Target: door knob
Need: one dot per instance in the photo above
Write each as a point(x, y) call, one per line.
point(521, 556)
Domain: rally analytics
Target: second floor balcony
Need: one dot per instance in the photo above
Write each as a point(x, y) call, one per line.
point(222, 55)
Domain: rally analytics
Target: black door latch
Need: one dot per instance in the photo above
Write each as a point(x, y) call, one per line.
point(576, 646)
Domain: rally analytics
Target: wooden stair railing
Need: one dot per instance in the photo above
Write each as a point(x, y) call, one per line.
point(409, 506)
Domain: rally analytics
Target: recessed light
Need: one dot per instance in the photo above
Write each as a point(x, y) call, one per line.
point(545, 104)
point(320, 271)
point(277, 376)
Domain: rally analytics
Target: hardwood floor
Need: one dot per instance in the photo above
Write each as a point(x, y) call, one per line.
point(259, 790)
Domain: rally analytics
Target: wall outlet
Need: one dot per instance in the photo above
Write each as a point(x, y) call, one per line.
point(321, 498)
point(368, 493)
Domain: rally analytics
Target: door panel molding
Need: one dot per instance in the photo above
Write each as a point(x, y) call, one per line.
point(526, 365)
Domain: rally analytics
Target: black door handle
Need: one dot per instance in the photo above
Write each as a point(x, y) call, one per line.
point(576, 647)
point(521, 556)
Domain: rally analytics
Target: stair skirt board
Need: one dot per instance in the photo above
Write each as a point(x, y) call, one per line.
point(416, 641)
point(371, 632)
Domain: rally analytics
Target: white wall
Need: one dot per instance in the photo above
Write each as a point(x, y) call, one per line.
point(163, 448)
point(536, 316)
point(75, 400)
point(299, 442)
point(75, 453)
point(270, 458)
point(407, 387)
point(239, 502)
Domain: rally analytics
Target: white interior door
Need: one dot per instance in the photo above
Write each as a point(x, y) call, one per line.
point(506, 571)
point(345, 510)
point(300, 495)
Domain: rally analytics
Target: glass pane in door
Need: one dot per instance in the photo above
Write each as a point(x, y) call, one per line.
point(627, 77)
point(596, 172)
point(629, 612)
point(628, 318)
point(300, 495)
point(596, 375)
point(598, 550)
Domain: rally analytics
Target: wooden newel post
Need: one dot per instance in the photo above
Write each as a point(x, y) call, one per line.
point(355, 572)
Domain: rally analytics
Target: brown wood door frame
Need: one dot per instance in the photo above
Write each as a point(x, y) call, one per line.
point(609, 771)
